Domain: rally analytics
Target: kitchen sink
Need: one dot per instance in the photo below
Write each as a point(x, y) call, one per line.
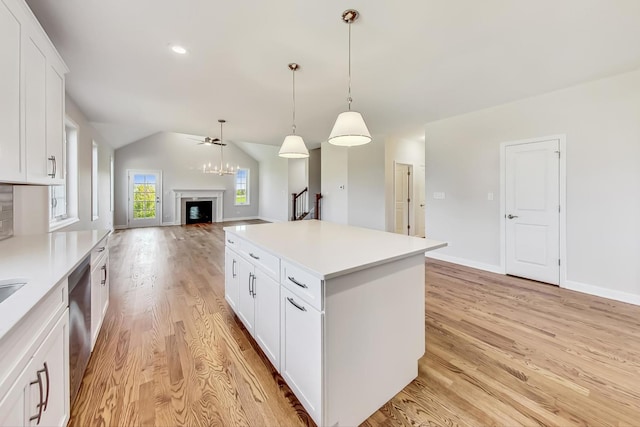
point(9, 287)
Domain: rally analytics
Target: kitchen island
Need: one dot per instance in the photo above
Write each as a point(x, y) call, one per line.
point(338, 310)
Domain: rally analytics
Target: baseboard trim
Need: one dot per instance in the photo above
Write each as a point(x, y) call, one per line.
point(602, 292)
point(466, 262)
point(240, 218)
point(120, 227)
point(167, 224)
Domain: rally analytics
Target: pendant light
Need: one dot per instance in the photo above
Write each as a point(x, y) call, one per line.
point(350, 128)
point(293, 145)
point(223, 169)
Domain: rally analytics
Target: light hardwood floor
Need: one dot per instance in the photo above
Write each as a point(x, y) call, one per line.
point(500, 350)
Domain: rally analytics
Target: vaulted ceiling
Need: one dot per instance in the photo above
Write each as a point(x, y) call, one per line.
point(413, 61)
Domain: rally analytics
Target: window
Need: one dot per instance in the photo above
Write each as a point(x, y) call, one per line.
point(63, 199)
point(94, 181)
point(242, 187)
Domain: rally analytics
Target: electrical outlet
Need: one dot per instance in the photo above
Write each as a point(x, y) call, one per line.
point(489, 196)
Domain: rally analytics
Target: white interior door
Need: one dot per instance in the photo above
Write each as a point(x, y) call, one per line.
point(402, 198)
point(532, 204)
point(145, 191)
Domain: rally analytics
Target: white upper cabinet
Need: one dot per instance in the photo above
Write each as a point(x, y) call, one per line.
point(11, 154)
point(32, 92)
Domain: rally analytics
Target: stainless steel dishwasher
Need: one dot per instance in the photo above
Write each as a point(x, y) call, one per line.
point(79, 324)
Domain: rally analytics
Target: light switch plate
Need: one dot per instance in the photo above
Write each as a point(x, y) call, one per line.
point(439, 195)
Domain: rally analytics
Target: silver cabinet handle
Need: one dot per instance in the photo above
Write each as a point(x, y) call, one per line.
point(302, 285)
point(254, 286)
point(53, 160)
point(299, 307)
point(512, 216)
point(233, 269)
point(253, 256)
point(104, 268)
point(250, 284)
point(101, 249)
point(230, 241)
point(42, 405)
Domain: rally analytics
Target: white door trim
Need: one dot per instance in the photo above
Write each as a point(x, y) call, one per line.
point(410, 192)
point(562, 142)
point(130, 172)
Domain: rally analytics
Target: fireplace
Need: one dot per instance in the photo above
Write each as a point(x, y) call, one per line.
point(198, 211)
point(198, 195)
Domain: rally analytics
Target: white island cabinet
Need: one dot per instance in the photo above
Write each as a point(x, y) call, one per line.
point(338, 310)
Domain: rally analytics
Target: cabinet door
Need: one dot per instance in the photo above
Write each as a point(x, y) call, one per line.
point(55, 125)
point(104, 287)
point(50, 365)
point(11, 151)
point(246, 301)
point(301, 356)
point(267, 293)
point(13, 406)
point(231, 278)
point(96, 306)
point(35, 77)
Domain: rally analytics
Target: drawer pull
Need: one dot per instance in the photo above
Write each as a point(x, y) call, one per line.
point(299, 307)
point(231, 241)
point(302, 285)
point(253, 256)
point(101, 249)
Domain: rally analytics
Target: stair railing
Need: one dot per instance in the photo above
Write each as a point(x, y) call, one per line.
point(299, 204)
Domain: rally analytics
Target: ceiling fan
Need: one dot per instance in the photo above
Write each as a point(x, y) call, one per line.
point(207, 141)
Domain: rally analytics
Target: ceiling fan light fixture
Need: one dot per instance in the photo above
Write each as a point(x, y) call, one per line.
point(293, 146)
point(349, 129)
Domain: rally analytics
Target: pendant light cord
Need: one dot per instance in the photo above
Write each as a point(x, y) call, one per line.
point(221, 142)
point(349, 98)
point(293, 126)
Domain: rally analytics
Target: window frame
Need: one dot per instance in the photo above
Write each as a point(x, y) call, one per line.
point(247, 188)
point(70, 161)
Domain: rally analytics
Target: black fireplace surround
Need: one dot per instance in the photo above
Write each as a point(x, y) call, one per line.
point(198, 212)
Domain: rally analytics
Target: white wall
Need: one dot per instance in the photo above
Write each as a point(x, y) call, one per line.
point(335, 193)
point(315, 178)
point(274, 200)
point(360, 171)
point(408, 150)
point(180, 159)
point(366, 185)
point(86, 135)
point(601, 120)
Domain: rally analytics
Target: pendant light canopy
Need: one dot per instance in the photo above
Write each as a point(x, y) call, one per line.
point(350, 128)
point(222, 169)
point(293, 145)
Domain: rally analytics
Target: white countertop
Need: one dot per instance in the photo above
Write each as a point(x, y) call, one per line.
point(329, 250)
point(43, 260)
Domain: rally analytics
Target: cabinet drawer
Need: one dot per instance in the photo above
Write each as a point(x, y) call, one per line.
point(232, 241)
point(303, 284)
point(261, 259)
point(99, 251)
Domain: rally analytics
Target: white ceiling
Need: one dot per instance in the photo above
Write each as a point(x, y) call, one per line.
point(413, 61)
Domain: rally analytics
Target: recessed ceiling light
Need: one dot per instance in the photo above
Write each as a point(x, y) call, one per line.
point(178, 49)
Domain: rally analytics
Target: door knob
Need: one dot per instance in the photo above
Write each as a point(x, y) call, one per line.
point(512, 216)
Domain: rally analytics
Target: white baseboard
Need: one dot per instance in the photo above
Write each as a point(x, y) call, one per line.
point(120, 227)
point(167, 224)
point(602, 292)
point(240, 218)
point(466, 262)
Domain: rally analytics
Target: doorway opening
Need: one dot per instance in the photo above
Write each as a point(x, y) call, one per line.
point(145, 202)
point(403, 191)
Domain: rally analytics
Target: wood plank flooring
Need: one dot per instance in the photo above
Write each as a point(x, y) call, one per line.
point(501, 351)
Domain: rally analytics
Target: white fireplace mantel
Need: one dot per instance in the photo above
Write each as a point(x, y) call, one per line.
point(195, 194)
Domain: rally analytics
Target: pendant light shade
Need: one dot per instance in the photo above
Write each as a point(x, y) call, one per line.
point(350, 129)
point(293, 148)
point(293, 145)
